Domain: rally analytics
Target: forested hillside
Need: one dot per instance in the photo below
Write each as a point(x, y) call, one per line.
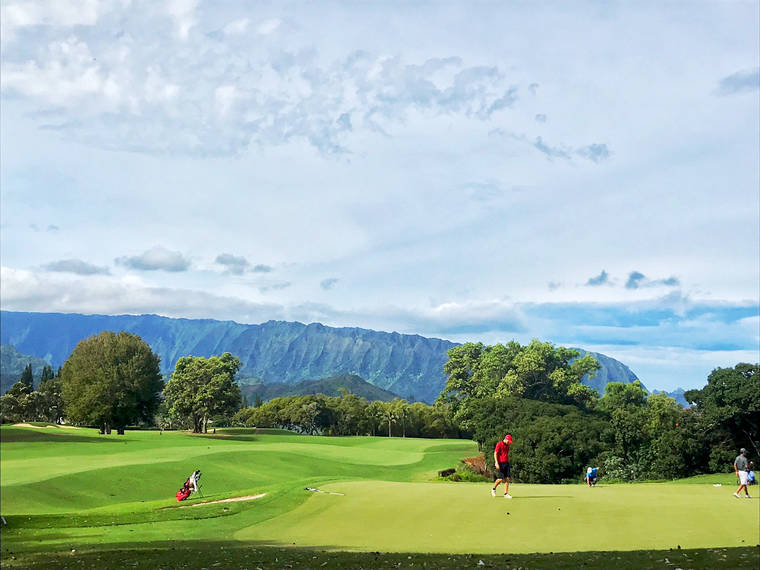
point(273, 352)
point(328, 386)
point(12, 364)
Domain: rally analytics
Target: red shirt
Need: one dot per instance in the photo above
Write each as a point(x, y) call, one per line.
point(502, 452)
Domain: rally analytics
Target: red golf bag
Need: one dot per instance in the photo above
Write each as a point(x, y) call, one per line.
point(184, 492)
point(189, 486)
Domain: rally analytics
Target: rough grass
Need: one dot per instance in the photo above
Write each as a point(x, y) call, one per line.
point(233, 555)
point(111, 500)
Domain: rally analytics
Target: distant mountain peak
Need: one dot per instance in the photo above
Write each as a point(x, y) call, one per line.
point(328, 386)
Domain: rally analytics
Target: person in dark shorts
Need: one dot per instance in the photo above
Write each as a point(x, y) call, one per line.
point(501, 462)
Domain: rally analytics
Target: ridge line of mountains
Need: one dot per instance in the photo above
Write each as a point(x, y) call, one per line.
point(273, 353)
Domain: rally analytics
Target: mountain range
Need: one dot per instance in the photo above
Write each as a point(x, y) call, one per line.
point(410, 366)
point(327, 386)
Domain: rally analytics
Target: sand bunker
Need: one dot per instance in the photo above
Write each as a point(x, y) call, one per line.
point(44, 427)
point(230, 500)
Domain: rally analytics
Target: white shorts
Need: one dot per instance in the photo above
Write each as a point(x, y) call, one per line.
point(742, 477)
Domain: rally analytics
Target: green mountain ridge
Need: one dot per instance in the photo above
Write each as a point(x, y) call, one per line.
point(327, 386)
point(272, 352)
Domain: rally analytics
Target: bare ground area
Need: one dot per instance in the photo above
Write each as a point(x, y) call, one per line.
point(478, 463)
point(45, 426)
point(230, 500)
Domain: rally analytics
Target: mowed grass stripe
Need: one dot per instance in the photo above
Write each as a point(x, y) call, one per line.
point(25, 463)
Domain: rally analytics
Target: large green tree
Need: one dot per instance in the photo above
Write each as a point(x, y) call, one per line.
point(51, 407)
point(203, 387)
point(730, 407)
point(538, 371)
point(15, 403)
point(111, 380)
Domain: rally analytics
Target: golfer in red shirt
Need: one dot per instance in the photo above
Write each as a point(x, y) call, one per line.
point(501, 462)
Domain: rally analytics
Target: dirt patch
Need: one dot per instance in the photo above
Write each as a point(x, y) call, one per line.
point(230, 500)
point(478, 463)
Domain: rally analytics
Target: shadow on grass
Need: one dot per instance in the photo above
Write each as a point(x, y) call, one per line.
point(27, 435)
point(230, 437)
point(17, 525)
point(230, 554)
point(515, 497)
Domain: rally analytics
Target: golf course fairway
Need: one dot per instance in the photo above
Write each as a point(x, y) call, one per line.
point(69, 489)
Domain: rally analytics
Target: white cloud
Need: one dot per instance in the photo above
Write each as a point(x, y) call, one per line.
point(158, 257)
point(236, 27)
point(602, 279)
point(76, 266)
point(268, 26)
point(234, 264)
point(157, 88)
point(16, 15)
point(69, 74)
point(162, 96)
point(745, 81)
point(224, 99)
point(183, 14)
point(26, 291)
point(668, 368)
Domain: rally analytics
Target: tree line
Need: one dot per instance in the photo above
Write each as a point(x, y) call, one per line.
point(561, 426)
point(23, 403)
point(349, 414)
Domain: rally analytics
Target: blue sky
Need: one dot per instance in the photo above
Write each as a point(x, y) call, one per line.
point(584, 173)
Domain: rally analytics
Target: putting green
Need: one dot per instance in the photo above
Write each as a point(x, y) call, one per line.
point(458, 518)
point(71, 488)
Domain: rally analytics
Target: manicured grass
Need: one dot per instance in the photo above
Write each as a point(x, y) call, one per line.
point(65, 489)
point(463, 517)
point(724, 479)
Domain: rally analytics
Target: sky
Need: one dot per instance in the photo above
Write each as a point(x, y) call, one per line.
point(582, 173)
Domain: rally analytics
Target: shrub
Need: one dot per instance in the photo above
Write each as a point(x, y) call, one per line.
point(722, 458)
